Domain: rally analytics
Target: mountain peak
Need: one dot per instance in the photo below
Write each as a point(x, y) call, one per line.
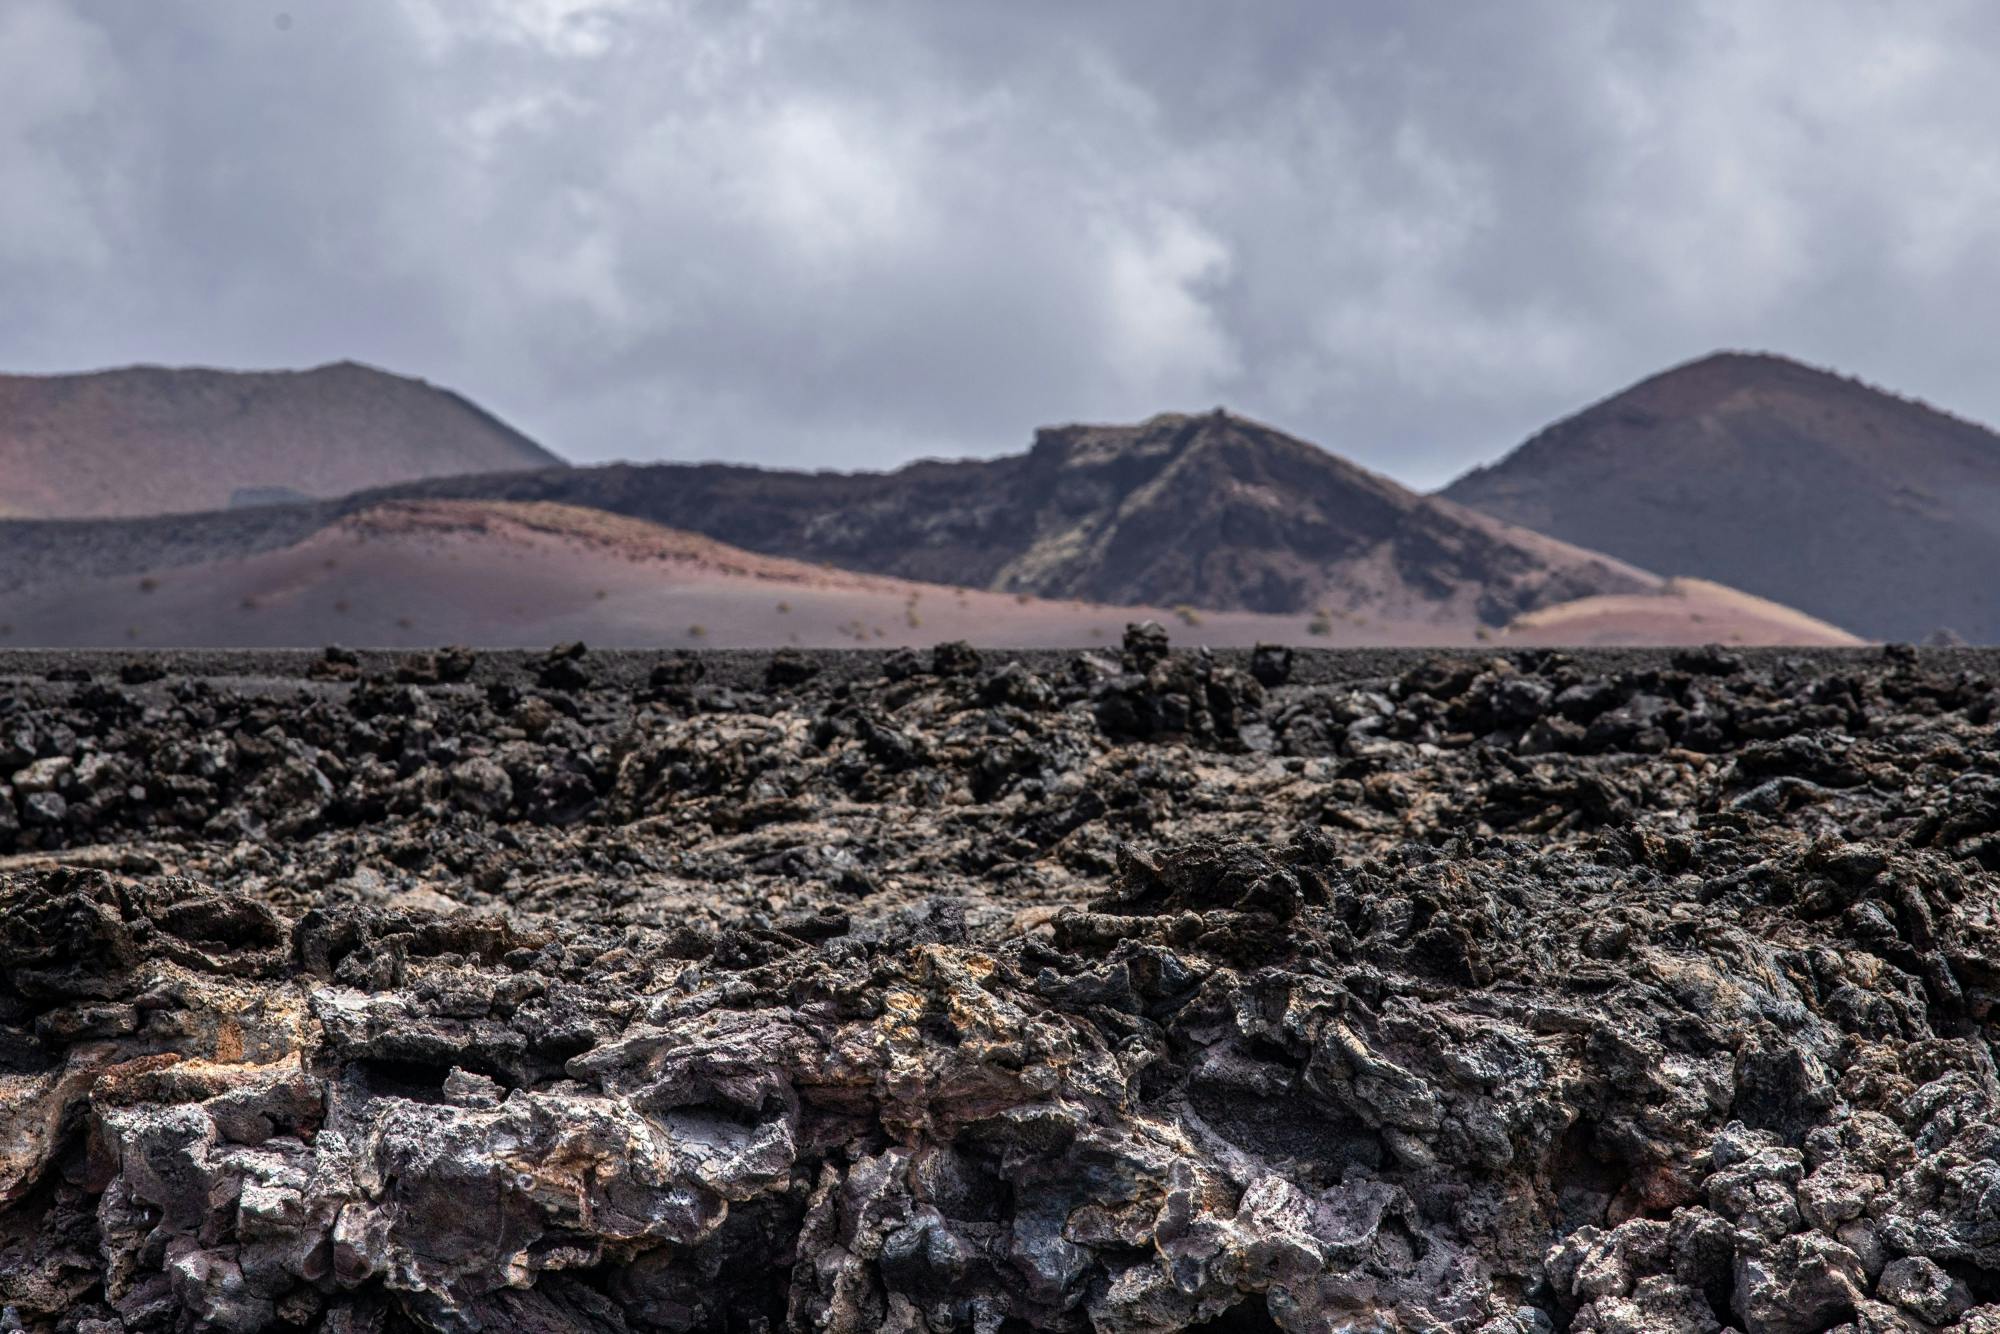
point(1876, 512)
point(1237, 442)
point(1169, 432)
point(1721, 374)
point(159, 439)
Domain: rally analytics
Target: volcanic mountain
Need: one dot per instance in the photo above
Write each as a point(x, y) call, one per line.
point(1872, 511)
point(1213, 511)
point(152, 440)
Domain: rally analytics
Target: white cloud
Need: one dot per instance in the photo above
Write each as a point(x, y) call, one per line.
point(828, 185)
point(56, 69)
point(566, 29)
point(1162, 338)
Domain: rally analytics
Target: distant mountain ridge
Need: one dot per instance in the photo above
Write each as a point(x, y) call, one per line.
point(1666, 485)
point(504, 573)
point(1212, 510)
point(153, 440)
point(1878, 513)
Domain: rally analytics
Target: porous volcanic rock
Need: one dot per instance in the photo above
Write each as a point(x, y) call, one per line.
point(1512, 994)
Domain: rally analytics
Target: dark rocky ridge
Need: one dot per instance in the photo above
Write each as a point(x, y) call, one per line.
point(1875, 512)
point(1213, 511)
point(1616, 992)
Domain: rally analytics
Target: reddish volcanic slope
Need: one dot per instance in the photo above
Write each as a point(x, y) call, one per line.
point(530, 574)
point(152, 440)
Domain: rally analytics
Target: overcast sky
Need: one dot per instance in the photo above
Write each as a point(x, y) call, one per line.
point(849, 234)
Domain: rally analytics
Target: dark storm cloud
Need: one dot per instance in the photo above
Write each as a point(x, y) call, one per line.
point(845, 235)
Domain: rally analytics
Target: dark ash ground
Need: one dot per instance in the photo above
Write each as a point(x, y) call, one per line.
point(847, 991)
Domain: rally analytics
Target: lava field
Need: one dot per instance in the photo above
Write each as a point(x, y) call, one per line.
point(1137, 990)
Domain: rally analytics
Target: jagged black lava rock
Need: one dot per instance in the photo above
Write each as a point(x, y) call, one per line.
point(1526, 992)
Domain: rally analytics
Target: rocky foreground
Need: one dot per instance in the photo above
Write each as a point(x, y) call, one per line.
point(1132, 992)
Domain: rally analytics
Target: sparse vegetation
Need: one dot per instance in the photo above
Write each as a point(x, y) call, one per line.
point(1321, 625)
point(784, 608)
point(602, 594)
point(342, 605)
point(910, 615)
point(1482, 634)
point(405, 623)
point(249, 602)
point(1188, 615)
point(1024, 598)
point(697, 632)
point(148, 584)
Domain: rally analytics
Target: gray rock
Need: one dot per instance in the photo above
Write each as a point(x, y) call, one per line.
point(44, 809)
point(1923, 1289)
point(481, 786)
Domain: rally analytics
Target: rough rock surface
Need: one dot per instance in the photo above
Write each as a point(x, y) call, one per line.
point(1135, 992)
